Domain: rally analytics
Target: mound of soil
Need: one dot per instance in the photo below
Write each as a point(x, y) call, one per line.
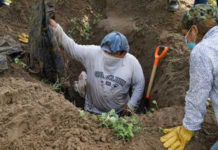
point(35, 117)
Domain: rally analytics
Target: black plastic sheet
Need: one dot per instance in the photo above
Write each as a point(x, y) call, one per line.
point(45, 56)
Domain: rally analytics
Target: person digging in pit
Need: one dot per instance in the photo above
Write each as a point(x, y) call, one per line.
point(200, 27)
point(111, 71)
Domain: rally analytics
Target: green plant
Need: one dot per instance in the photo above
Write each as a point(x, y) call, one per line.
point(124, 127)
point(137, 29)
point(212, 2)
point(94, 117)
point(160, 130)
point(155, 103)
point(9, 1)
point(82, 114)
point(153, 110)
point(19, 62)
point(81, 27)
point(61, 2)
point(97, 19)
point(58, 84)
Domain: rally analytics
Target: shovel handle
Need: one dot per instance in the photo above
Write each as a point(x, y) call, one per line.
point(151, 81)
point(156, 62)
point(158, 57)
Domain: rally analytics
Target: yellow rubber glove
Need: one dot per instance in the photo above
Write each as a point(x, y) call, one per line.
point(23, 38)
point(177, 138)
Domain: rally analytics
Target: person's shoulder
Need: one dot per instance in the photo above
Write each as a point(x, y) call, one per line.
point(202, 51)
point(200, 48)
point(93, 48)
point(131, 59)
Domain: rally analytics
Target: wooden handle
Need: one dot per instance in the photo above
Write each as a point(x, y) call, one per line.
point(158, 57)
point(151, 81)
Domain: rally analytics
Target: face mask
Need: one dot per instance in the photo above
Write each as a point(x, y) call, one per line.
point(190, 45)
point(111, 63)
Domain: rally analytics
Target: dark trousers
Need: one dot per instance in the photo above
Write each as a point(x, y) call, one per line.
point(1, 2)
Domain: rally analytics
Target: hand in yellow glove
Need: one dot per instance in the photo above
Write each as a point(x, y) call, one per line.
point(23, 38)
point(177, 138)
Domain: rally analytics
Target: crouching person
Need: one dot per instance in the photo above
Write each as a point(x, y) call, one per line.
point(110, 72)
point(201, 36)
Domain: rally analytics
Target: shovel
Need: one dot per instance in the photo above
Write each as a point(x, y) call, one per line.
point(162, 50)
point(145, 103)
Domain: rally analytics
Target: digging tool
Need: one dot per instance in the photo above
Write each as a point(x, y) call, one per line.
point(145, 104)
point(158, 57)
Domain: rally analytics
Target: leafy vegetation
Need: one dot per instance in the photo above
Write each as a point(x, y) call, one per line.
point(212, 2)
point(154, 109)
point(61, 2)
point(97, 19)
point(124, 127)
point(59, 83)
point(81, 27)
point(19, 62)
point(9, 1)
point(82, 114)
point(160, 130)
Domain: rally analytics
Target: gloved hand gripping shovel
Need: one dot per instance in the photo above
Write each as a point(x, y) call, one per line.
point(162, 50)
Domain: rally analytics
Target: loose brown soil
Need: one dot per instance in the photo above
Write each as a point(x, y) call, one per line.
point(35, 117)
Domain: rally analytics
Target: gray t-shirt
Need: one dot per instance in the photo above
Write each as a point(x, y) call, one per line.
point(108, 78)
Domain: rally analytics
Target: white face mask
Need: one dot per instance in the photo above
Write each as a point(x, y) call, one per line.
point(110, 62)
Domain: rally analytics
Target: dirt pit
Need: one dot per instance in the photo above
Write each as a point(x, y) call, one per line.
point(35, 117)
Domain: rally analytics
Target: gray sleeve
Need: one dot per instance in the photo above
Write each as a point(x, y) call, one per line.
point(78, 52)
point(138, 84)
point(201, 79)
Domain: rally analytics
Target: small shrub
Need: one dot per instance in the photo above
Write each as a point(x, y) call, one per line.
point(20, 62)
point(81, 27)
point(59, 83)
point(125, 128)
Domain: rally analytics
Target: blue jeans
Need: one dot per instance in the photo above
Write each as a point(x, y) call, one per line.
point(203, 2)
point(215, 146)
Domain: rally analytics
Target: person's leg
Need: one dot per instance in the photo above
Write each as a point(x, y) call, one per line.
point(200, 2)
point(215, 146)
point(173, 5)
point(80, 85)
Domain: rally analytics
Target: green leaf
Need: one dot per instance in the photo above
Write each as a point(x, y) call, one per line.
point(124, 127)
point(160, 130)
point(154, 102)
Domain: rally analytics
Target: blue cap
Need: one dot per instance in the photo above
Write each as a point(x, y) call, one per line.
point(115, 42)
